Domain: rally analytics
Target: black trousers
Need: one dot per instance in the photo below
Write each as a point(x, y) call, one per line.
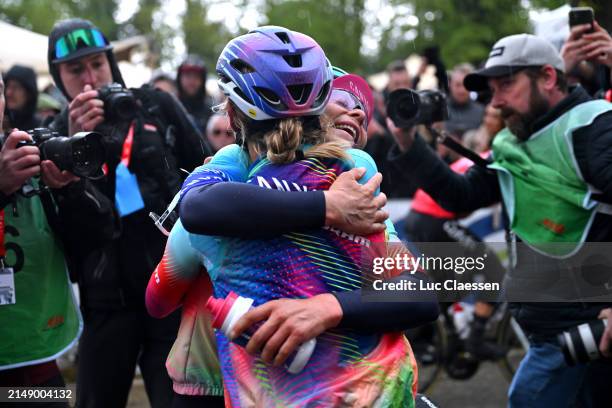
point(113, 342)
point(197, 401)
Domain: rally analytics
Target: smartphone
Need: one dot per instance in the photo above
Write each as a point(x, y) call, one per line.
point(581, 15)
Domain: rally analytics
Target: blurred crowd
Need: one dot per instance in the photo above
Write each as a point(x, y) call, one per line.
point(171, 125)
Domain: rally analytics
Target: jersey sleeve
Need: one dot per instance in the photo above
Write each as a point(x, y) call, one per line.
point(178, 268)
point(228, 164)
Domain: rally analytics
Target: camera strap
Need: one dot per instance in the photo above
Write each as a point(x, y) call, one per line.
point(126, 150)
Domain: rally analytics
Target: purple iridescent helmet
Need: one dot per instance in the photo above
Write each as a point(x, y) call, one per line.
point(272, 72)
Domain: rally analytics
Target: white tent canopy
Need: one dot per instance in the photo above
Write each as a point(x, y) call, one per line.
point(20, 46)
point(25, 47)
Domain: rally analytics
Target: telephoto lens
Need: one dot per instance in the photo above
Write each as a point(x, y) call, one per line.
point(408, 108)
point(403, 107)
point(82, 154)
point(581, 344)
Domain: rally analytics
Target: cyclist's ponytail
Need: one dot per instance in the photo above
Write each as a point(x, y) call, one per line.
point(284, 140)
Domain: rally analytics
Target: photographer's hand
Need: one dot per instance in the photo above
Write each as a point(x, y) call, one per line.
point(573, 48)
point(54, 177)
point(17, 165)
point(598, 46)
point(86, 111)
point(352, 207)
point(403, 137)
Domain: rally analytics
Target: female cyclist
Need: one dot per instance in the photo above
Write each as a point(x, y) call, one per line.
point(277, 82)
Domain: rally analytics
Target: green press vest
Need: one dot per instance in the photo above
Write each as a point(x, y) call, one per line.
point(44, 321)
point(548, 202)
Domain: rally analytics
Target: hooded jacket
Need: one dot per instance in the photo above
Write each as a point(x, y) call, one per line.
point(113, 273)
point(67, 26)
point(199, 105)
point(24, 118)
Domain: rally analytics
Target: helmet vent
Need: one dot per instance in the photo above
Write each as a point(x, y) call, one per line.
point(241, 66)
point(284, 37)
point(270, 97)
point(300, 93)
point(321, 97)
point(294, 60)
point(242, 95)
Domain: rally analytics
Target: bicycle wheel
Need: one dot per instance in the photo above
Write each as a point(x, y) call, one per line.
point(511, 336)
point(429, 344)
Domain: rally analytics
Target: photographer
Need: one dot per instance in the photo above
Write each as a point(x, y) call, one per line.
point(38, 313)
point(21, 97)
point(526, 77)
point(148, 138)
point(191, 86)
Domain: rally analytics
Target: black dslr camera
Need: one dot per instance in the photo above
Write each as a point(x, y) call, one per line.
point(81, 154)
point(409, 108)
point(119, 103)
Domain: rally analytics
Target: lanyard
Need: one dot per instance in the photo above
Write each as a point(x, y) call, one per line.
point(2, 247)
point(126, 151)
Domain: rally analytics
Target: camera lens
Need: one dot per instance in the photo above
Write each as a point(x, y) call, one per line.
point(403, 107)
point(123, 106)
point(81, 154)
point(581, 344)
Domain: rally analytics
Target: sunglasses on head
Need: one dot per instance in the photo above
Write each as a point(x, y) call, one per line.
point(348, 101)
point(78, 39)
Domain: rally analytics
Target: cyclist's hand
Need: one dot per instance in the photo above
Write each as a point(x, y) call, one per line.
point(288, 324)
point(605, 345)
point(352, 207)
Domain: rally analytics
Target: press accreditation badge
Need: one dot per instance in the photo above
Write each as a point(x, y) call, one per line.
point(7, 286)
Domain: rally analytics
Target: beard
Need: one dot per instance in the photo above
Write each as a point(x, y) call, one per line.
point(521, 124)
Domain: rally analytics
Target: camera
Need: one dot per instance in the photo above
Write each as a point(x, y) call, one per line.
point(119, 103)
point(408, 108)
point(81, 154)
point(581, 344)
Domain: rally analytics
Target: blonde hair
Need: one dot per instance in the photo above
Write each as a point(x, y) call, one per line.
point(282, 142)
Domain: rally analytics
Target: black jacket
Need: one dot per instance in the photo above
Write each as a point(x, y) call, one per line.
point(479, 188)
point(113, 271)
point(24, 118)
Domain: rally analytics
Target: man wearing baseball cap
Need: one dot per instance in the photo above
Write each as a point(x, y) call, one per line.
point(552, 170)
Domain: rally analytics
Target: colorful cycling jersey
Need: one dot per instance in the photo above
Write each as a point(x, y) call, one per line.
point(231, 164)
point(179, 280)
point(346, 369)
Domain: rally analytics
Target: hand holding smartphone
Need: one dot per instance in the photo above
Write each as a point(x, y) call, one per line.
point(581, 15)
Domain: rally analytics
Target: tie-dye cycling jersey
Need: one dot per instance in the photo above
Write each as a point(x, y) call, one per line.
point(346, 368)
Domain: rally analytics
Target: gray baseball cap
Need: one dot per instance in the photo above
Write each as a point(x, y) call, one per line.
point(511, 54)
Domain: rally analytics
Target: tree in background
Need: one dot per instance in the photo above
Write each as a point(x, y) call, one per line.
point(337, 25)
point(203, 37)
point(465, 29)
point(33, 15)
point(603, 11)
